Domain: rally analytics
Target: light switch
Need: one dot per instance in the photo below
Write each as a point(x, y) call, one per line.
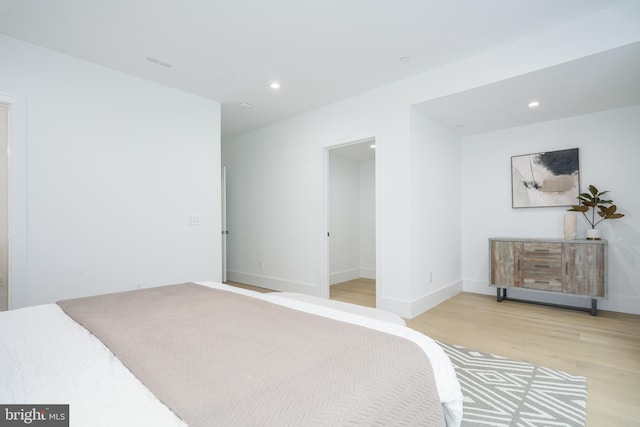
point(194, 219)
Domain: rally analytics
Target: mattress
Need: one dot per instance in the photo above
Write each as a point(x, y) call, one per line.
point(49, 358)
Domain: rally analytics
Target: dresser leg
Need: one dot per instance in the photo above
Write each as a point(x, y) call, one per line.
point(502, 297)
point(594, 307)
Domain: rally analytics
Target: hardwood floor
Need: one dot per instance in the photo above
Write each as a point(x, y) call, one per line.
point(358, 291)
point(605, 349)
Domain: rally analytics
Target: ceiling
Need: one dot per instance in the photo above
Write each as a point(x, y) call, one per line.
point(594, 83)
point(319, 51)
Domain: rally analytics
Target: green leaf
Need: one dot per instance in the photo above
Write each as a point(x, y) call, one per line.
point(578, 209)
point(592, 200)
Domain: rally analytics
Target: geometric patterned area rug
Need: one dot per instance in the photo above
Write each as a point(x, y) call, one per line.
point(504, 392)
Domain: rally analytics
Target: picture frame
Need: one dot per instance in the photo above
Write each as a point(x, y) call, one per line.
point(545, 179)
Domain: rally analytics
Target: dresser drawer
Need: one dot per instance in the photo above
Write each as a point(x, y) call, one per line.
point(543, 250)
point(543, 282)
point(541, 266)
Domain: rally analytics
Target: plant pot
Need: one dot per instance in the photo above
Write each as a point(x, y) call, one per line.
point(593, 234)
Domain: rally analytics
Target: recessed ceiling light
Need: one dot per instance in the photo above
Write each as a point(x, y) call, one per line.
point(158, 62)
point(275, 85)
point(244, 105)
point(534, 104)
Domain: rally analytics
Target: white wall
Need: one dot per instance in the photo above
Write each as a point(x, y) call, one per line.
point(435, 212)
point(115, 165)
point(276, 205)
point(4, 208)
point(367, 221)
point(608, 154)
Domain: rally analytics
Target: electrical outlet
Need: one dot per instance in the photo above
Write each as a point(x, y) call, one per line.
point(430, 277)
point(261, 264)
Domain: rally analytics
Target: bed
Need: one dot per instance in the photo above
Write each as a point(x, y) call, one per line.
point(212, 354)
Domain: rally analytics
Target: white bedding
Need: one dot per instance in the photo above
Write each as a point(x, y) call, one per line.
point(46, 357)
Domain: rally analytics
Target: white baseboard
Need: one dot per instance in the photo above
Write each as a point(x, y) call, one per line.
point(344, 276)
point(434, 298)
point(368, 273)
point(356, 273)
point(399, 307)
point(411, 309)
point(477, 287)
point(623, 304)
point(273, 283)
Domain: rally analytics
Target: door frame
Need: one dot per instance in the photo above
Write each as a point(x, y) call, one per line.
point(17, 199)
point(225, 231)
point(326, 273)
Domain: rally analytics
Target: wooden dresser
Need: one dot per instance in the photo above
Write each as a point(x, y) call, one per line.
point(574, 267)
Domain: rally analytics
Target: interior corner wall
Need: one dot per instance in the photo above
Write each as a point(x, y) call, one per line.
point(275, 193)
point(435, 212)
point(608, 152)
point(115, 165)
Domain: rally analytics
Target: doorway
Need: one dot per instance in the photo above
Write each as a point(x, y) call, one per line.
point(16, 213)
point(4, 209)
point(350, 218)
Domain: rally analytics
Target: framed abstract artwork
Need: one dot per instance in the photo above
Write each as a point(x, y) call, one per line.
point(545, 179)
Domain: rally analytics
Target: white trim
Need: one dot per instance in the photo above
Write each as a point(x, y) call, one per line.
point(223, 218)
point(368, 273)
point(324, 232)
point(400, 307)
point(344, 276)
point(16, 155)
point(478, 287)
point(325, 267)
point(273, 283)
point(434, 298)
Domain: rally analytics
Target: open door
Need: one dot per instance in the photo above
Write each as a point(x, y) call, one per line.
point(225, 232)
point(349, 217)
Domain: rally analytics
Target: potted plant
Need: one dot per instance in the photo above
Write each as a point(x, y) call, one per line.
point(592, 201)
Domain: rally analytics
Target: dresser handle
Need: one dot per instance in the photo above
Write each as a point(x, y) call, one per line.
point(541, 250)
point(542, 265)
point(566, 267)
point(540, 281)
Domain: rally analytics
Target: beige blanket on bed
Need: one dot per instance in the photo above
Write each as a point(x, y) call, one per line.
point(217, 358)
